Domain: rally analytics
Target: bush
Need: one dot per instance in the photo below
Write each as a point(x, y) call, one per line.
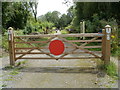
point(5, 42)
point(111, 69)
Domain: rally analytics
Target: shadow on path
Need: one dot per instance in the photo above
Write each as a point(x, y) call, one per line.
point(60, 70)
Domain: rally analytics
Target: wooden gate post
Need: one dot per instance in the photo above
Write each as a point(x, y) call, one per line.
point(106, 47)
point(11, 46)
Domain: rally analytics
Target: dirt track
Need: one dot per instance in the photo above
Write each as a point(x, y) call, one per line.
point(57, 74)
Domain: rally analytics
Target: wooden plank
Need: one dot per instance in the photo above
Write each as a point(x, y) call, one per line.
point(61, 35)
point(58, 58)
point(30, 53)
point(50, 53)
point(36, 41)
point(17, 48)
point(103, 44)
point(89, 42)
point(31, 42)
point(25, 53)
point(32, 48)
point(91, 47)
point(84, 40)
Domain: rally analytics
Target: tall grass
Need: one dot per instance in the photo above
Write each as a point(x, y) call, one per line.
point(110, 69)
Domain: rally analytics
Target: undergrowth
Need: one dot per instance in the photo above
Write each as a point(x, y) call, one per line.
point(110, 69)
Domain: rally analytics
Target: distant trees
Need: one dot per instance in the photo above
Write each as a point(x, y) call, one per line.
point(56, 18)
point(94, 13)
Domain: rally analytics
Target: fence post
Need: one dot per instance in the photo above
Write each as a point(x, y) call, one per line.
point(106, 47)
point(103, 44)
point(11, 47)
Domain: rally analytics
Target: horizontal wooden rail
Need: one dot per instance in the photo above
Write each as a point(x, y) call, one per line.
point(31, 42)
point(17, 48)
point(58, 58)
point(50, 53)
point(61, 35)
point(91, 46)
point(84, 40)
point(30, 53)
point(68, 41)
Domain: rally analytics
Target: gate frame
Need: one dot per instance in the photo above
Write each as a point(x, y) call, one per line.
point(106, 47)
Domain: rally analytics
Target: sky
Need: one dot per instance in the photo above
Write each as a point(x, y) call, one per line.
point(45, 6)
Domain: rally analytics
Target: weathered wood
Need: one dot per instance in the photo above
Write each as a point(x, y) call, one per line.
point(107, 45)
point(31, 53)
point(11, 46)
point(89, 42)
point(31, 42)
point(84, 40)
point(85, 50)
point(27, 42)
point(25, 53)
point(17, 48)
point(103, 44)
point(58, 58)
point(49, 53)
point(91, 46)
point(37, 48)
point(68, 41)
point(61, 35)
point(65, 47)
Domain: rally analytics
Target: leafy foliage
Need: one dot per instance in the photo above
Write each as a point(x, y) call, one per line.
point(15, 14)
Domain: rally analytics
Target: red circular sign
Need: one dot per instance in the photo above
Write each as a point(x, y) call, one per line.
point(56, 47)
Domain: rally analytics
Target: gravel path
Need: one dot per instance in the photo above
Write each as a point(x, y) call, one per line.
point(57, 74)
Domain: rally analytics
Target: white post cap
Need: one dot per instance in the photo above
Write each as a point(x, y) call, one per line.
point(10, 28)
point(107, 26)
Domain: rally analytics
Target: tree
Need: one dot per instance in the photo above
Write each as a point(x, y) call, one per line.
point(33, 6)
point(65, 20)
point(15, 14)
point(103, 10)
point(51, 17)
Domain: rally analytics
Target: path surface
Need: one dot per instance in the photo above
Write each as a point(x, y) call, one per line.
point(77, 73)
point(56, 74)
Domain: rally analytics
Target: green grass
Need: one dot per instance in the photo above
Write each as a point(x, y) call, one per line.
point(53, 32)
point(9, 67)
point(110, 69)
point(116, 53)
point(64, 31)
point(4, 85)
point(14, 72)
point(21, 63)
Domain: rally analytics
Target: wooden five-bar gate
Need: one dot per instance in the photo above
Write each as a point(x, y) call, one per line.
point(24, 46)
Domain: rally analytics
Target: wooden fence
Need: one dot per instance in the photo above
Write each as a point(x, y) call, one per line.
point(18, 51)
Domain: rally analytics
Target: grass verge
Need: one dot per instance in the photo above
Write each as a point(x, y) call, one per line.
point(110, 69)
